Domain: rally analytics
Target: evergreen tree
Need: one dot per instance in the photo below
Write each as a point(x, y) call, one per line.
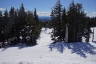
point(30, 18)
point(5, 25)
point(0, 13)
point(11, 23)
point(77, 23)
point(21, 17)
point(69, 26)
point(35, 15)
point(1, 24)
point(74, 22)
point(64, 26)
point(56, 16)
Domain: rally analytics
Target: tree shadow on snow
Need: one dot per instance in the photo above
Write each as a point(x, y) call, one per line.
point(19, 46)
point(79, 48)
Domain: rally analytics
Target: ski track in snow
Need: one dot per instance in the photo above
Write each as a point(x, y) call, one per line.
point(41, 54)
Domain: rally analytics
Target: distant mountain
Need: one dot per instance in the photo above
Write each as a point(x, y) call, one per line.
point(44, 18)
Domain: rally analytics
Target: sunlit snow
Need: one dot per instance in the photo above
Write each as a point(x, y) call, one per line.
point(42, 53)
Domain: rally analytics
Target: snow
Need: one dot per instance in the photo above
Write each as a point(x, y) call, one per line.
point(46, 53)
point(45, 37)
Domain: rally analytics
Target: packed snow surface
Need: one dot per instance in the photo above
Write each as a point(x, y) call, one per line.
point(47, 53)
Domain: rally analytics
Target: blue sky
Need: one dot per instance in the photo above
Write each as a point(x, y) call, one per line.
point(44, 6)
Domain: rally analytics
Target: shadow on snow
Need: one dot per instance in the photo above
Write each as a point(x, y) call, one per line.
point(19, 46)
point(79, 48)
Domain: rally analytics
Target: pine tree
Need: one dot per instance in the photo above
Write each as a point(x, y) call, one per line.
point(55, 19)
point(0, 13)
point(1, 24)
point(58, 21)
point(5, 25)
point(21, 17)
point(35, 15)
point(17, 23)
point(64, 26)
point(70, 26)
point(11, 23)
point(87, 29)
point(77, 26)
point(30, 18)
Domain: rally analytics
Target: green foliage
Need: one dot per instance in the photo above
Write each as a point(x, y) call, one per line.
point(18, 23)
point(74, 19)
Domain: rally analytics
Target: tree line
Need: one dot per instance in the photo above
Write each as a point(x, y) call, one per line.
point(71, 24)
point(19, 26)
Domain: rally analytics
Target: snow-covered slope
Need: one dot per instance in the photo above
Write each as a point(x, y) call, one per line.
point(45, 37)
point(42, 54)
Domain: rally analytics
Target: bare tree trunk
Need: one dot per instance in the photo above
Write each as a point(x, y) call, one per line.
point(66, 33)
point(93, 35)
